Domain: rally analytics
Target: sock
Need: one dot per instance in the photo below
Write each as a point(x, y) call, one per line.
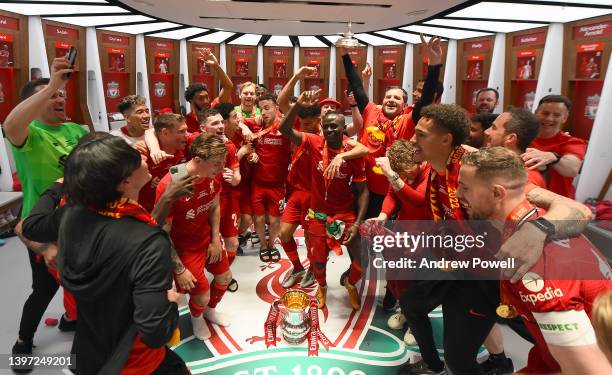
point(216, 293)
point(231, 256)
point(320, 274)
point(70, 305)
point(290, 248)
point(355, 273)
point(195, 308)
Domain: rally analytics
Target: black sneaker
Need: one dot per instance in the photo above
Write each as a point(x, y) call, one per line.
point(239, 251)
point(497, 366)
point(243, 238)
point(22, 348)
point(255, 239)
point(419, 368)
point(389, 303)
point(67, 325)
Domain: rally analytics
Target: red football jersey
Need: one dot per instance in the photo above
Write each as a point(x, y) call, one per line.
point(189, 216)
point(231, 162)
point(563, 144)
point(339, 197)
point(412, 198)
point(273, 150)
point(193, 125)
point(146, 198)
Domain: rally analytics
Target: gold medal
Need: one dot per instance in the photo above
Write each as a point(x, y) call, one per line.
point(506, 311)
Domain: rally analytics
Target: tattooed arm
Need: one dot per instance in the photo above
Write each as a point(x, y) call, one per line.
point(569, 217)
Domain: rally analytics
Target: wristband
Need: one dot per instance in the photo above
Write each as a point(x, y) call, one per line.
point(182, 272)
point(394, 177)
point(556, 161)
point(354, 105)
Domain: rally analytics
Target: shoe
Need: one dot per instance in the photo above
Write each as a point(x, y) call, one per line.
point(497, 366)
point(255, 239)
point(232, 287)
point(353, 295)
point(267, 232)
point(239, 251)
point(214, 316)
point(344, 276)
point(66, 325)
point(19, 349)
point(243, 238)
point(419, 368)
point(396, 321)
point(409, 338)
point(200, 328)
point(293, 278)
point(389, 303)
point(308, 279)
point(322, 296)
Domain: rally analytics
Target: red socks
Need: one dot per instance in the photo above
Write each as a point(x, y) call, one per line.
point(195, 308)
point(290, 248)
point(216, 293)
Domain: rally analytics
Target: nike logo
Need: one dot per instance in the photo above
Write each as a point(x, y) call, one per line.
point(472, 312)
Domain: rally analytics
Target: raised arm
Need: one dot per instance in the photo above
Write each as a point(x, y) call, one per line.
point(286, 92)
point(17, 122)
point(355, 83)
point(306, 99)
point(226, 83)
point(433, 52)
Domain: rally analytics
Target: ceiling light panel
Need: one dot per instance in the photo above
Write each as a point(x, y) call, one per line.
point(406, 37)
point(500, 27)
point(179, 34)
point(38, 9)
point(99, 20)
point(445, 33)
point(376, 40)
point(217, 37)
point(279, 41)
point(529, 12)
point(310, 41)
point(247, 40)
point(139, 29)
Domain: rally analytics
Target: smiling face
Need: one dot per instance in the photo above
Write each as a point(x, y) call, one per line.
point(201, 101)
point(247, 96)
point(214, 125)
point(431, 141)
point(55, 107)
point(393, 103)
point(496, 135)
point(175, 137)
point(333, 128)
point(209, 167)
point(486, 102)
point(551, 117)
point(138, 119)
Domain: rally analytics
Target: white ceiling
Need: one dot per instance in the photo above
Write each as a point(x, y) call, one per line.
point(287, 16)
point(271, 22)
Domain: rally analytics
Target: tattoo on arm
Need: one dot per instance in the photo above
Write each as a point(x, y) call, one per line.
point(568, 216)
point(178, 266)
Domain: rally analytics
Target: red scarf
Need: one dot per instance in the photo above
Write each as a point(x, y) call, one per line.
point(125, 207)
point(274, 127)
point(452, 180)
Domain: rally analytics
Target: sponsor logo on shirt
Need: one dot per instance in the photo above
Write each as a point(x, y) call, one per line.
point(271, 141)
point(548, 295)
point(559, 327)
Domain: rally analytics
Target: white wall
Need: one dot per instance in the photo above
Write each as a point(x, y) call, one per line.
point(332, 72)
point(407, 79)
point(95, 85)
point(497, 71)
point(549, 80)
point(142, 85)
point(449, 96)
point(183, 75)
point(370, 60)
point(37, 55)
point(296, 67)
point(598, 159)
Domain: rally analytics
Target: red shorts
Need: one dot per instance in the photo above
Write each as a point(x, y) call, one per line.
point(297, 208)
point(318, 235)
point(195, 262)
point(268, 199)
point(230, 215)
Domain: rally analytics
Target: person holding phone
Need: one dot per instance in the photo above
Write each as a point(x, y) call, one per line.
point(40, 139)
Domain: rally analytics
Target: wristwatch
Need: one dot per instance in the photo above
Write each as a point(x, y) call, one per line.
point(394, 177)
point(545, 226)
point(557, 160)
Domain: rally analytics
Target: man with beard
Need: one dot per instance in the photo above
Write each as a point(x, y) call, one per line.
point(439, 135)
point(486, 100)
point(197, 93)
point(332, 217)
point(171, 134)
point(248, 101)
point(479, 123)
point(268, 175)
point(40, 139)
point(381, 126)
point(554, 299)
point(137, 116)
point(555, 152)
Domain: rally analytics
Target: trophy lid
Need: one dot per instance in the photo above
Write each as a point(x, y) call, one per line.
point(347, 39)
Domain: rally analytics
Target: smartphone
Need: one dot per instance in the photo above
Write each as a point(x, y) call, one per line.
point(178, 171)
point(72, 54)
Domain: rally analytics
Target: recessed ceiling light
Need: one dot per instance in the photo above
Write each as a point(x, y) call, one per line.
point(144, 2)
point(415, 13)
